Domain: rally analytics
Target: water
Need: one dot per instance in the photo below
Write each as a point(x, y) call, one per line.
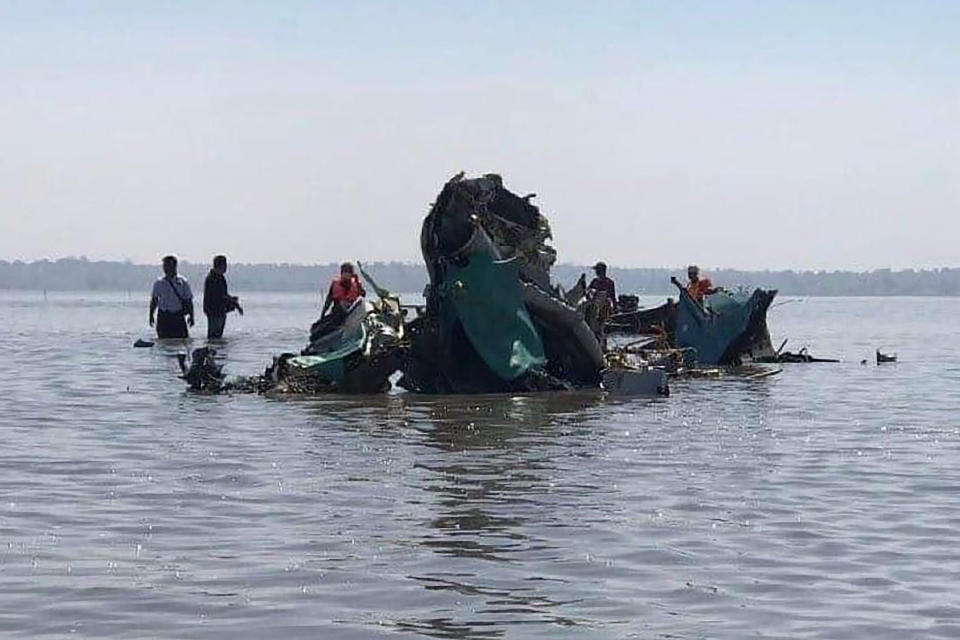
point(819, 503)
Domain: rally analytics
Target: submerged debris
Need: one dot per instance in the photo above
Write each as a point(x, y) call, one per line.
point(203, 374)
point(883, 358)
point(800, 356)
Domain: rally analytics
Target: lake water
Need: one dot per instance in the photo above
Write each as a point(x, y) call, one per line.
point(820, 503)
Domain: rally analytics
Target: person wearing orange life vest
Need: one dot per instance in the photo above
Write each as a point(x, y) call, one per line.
point(344, 291)
point(698, 287)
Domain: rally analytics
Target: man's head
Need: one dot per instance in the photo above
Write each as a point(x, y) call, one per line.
point(600, 269)
point(220, 263)
point(346, 271)
point(693, 272)
point(170, 265)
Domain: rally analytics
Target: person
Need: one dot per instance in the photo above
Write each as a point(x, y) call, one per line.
point(344, 290)
point(172, 302)
point(217, 301)
point(603, 283)
point(698, 287)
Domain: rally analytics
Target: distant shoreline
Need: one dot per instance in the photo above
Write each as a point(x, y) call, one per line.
point(78, 275)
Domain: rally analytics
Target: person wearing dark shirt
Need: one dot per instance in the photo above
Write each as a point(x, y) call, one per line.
point(605, 284)
point(217, 301)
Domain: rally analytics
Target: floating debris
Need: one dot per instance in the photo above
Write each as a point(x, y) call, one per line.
point(800, 356)
point(883, 358)
point(764, 374)
point(203, 374)
point(787, 356)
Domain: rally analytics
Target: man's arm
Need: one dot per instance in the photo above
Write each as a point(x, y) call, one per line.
point(208, 294)
point(219, 295)
point(225, 293)
point(188, 304)
point(231, 303)
point(153, 309)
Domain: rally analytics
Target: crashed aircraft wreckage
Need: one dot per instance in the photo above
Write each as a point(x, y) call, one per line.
point(492, 321)
point(728, 328)
point(359, 356)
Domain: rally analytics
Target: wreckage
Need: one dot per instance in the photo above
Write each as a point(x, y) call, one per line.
point(492, 321)
point(727, 329)
point(358, 356)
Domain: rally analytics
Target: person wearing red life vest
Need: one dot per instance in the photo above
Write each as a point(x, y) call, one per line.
point(698, 287)
point(344, 291)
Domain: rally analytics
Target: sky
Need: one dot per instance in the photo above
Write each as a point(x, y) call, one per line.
point(753, 135)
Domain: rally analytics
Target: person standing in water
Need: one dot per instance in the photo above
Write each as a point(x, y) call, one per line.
point(217, 301)
point(172, 302)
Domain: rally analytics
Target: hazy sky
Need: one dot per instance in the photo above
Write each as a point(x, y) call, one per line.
point(739, 134)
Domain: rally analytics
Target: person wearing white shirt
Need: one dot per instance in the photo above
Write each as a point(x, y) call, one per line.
point(172, 301)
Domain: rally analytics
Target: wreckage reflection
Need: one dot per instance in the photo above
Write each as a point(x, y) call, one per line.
point(496, 462)
point(485, 496)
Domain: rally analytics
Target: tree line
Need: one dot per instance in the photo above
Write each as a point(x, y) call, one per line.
point(80, 274)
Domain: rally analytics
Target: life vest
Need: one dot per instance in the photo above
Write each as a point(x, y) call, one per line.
point(698, 289)
point(345, 293)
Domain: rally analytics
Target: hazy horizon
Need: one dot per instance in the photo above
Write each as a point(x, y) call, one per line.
point(85, 275)
point(418, 262)
point(745, 135)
